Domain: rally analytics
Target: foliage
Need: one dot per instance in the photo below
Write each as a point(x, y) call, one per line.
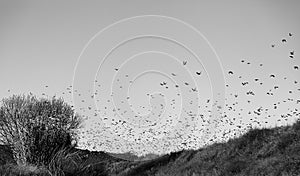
point(35, 128)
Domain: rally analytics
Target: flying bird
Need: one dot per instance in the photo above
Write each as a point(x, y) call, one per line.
point(250, 93)
point(198, 73)
point(230, 72)
point(296, 67)
point(163, 83)
point(283, 40)
point(184, 62)
point(245, 83)
point(290, 34)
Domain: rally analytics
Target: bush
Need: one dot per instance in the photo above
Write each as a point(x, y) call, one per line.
point(36, 129)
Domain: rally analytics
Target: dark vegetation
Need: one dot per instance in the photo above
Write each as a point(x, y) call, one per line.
point(38, 139)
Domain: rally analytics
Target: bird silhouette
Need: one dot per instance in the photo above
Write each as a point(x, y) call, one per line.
point(198, 73)
point(184, 62)
point(163, 83)
point(245, 83)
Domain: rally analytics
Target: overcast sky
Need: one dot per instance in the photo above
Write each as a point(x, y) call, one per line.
point(46, 47)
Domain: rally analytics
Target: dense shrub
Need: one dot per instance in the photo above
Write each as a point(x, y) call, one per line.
point(35, 128)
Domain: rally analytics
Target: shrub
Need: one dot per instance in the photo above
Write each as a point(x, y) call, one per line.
point(36, 129)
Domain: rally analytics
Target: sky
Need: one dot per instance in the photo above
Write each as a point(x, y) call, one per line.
point(152, 76)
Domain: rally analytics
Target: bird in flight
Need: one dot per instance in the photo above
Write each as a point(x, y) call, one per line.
point(290, 34)
point(173, 74)
point(163, 83)
point(198, 73)
point(250, 93)
point(116, 69)
point(296, 67)
point(283, 40)
point(230, 72)
point(184, 62)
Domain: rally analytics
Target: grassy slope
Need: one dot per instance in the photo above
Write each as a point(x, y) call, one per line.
point(273, 151)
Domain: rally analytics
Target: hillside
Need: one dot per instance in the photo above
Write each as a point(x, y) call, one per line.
point(274, 151)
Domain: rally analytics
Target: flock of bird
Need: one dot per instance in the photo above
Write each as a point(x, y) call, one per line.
point(231, 117)
point(259, 116)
